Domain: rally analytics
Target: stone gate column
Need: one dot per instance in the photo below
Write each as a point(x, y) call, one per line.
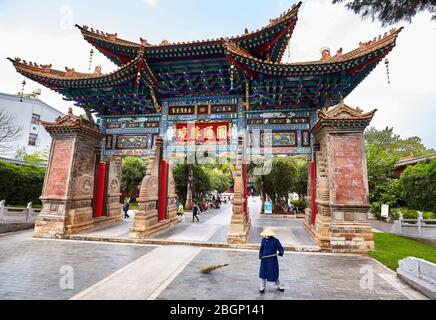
point(68, 191)
point(342, 181)
point(146, 221)
point(241, 223)
point(114, 206)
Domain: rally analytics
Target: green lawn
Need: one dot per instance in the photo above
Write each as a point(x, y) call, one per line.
point(390, 249)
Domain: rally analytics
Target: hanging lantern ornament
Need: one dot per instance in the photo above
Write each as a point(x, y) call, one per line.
point(388, 71)
point(289, 45)
point(23, 84)
point(232, 68)
point(91, 56)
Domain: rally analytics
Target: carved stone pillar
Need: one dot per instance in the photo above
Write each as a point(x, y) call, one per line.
point(68, 191)
point(146, 221)
point(342, 182)
point(241, 223)
point(171, 199)
point(114, 206)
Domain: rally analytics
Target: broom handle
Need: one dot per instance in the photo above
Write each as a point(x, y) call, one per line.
point(245, 261)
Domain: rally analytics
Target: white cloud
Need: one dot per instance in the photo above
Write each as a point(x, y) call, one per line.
point(409, 103)
point(150, 2)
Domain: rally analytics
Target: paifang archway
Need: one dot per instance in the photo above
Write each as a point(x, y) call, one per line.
point(238, 83)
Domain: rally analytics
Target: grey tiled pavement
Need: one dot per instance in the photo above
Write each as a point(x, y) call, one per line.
point(381, 226)
point(30, 268)
point(305, 277)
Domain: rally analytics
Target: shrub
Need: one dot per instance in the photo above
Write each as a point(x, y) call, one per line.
point(299, 203)
point(21, 184)
point(387, 193)
point(419, 186)
point(410, 214)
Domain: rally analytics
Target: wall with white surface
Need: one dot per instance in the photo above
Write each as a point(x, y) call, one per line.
point(23, 109)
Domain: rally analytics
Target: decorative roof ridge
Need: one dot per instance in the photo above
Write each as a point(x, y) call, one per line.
point(71, 121)
point(344, 111)
point(106, 36)
point(69, 74)
point(284, 17)
point(364, 49)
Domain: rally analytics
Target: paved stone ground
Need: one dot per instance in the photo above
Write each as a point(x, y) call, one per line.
point(305, 277)
point(381, 226)
point(30, 268)
point(214, 227)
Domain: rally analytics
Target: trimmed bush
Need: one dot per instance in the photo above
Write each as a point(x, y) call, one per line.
point(410, 214)
point(21, 184)
point(419, 186)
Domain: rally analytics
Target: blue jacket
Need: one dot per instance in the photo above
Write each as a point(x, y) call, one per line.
point(269, 267)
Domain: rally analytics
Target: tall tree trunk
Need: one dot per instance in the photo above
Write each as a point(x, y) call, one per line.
point(263, 194)
point(190, 192)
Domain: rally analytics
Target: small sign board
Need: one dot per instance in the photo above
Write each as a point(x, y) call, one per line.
point(385, 211)
point(268, 207)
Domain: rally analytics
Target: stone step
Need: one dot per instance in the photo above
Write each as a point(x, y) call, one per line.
point(167, 242)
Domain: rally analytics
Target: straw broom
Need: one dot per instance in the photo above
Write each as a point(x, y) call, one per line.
point(213, 267)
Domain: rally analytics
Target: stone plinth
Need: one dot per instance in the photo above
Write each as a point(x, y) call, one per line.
point(114, 206)
point(146, 221)
point(342, 194)
point(69, 184)
point(420, 274)
point(240, 224)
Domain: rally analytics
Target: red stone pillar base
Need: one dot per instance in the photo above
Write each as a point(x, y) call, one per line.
point(68, 191)
point(342, 197)
point(146, 221)
point(241, 223)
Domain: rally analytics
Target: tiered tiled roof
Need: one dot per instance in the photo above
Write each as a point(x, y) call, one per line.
point(150, 73)
point(270, 41)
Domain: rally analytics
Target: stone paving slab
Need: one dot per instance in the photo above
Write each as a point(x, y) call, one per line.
point(30, 268)
point(305, 277)
point(141, 279)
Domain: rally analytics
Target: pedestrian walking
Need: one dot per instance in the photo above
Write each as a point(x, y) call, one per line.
point(181, 212)
point(195, 211)
point(126, 208)
point(269, 267)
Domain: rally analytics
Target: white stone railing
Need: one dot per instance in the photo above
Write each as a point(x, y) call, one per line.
point(420, 274)
point(419, 228)
point(18, 215)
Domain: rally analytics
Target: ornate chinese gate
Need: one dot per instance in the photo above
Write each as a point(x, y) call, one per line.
point(174, 101)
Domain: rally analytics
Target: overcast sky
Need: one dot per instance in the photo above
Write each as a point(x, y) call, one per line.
point(43, 32)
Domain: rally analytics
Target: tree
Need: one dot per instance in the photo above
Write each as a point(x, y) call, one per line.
point(202, 182)
point(133, 172)
point(36, 157)
point(389, 12)
point(301, 179)
point(384, 150)
point(280, 182)
point(219, 181)
point(389, 141)
point(8, 130)
point(418, 185)
point(381, 164)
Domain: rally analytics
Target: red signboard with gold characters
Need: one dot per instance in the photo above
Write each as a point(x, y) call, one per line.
point(202, 132)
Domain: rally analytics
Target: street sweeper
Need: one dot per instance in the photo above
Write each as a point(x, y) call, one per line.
point(269, 266)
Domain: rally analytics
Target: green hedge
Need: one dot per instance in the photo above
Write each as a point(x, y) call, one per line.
point(21, 184)
point(419, 186)
point(410, 214)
